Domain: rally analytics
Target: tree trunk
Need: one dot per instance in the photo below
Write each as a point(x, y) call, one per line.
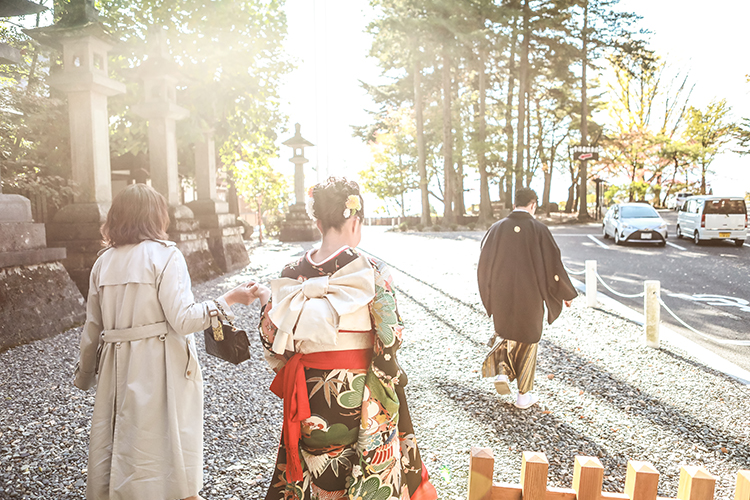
point(459, 205)
point(448, 172)
point(509, 117)
point(485, 205)
point(523, 77)
point(547, 187)
point(583, 214)
point(528, 174)
point(419, 118)
point(548, 169)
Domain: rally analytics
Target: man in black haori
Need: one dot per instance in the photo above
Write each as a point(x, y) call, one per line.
point(519, 272)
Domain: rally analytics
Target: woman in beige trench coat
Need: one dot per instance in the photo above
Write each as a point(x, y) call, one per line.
point(137, 347)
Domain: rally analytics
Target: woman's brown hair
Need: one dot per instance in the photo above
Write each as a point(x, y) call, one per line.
point(138, 213)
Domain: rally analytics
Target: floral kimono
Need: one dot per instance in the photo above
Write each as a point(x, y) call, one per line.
point(358, 441)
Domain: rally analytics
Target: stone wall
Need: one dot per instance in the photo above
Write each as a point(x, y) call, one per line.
point(37, 301)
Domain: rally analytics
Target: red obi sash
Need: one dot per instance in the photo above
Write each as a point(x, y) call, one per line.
point(291, 386)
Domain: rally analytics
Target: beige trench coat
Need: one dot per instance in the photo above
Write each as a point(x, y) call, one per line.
point(147, 428)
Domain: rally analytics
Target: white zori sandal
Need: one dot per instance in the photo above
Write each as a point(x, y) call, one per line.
point(502, 385)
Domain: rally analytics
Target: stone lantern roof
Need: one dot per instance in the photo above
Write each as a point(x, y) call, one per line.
point(297, 141)
point(13, 8)
point(79, 20)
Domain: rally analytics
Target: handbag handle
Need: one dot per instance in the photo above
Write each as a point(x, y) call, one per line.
point(221, 310)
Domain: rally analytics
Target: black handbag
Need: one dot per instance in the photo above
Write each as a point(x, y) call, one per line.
point(227, 342)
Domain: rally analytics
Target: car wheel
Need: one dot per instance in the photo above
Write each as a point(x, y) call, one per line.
point(697, 238)
point(618, 241)
point(739, 243)
point(678, 233)
point(604, 232)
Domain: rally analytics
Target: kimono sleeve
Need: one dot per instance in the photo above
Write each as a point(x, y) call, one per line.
point(484, 269)
point(559, 287)
point(86, 368)
point(183, 314)
point(267, 331)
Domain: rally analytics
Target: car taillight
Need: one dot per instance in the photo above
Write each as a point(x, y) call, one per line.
point(703, 220)
point(745, 220)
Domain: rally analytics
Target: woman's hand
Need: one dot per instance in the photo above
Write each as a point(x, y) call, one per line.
point(259, 291)
point(247, 293)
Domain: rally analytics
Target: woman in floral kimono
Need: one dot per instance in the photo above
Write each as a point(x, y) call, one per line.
point(331, 330)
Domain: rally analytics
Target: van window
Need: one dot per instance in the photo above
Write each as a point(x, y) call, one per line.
point(725, 206)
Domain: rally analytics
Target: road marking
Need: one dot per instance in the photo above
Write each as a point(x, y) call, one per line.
point(595, 240)
point(676, 246)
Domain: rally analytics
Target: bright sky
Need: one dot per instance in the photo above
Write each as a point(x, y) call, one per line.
point(329, 45)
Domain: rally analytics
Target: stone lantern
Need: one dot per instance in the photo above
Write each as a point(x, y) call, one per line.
point(297, 226)
point(37, 298)
point(84, 79)
point(160, 75)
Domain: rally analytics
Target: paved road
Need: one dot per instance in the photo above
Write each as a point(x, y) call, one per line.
point(707, 286)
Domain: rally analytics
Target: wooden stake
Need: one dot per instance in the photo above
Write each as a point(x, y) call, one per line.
point(534, 468)
point(481, 467)
point(742, 491)
point(696, 483)
point(641, 481)
point(588, 475)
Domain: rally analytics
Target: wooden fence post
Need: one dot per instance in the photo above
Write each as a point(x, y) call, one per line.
point(742, 490)
point(641, 481)
point(588, 476)
point(696, 483)
point(481, 469)
point(534, 468)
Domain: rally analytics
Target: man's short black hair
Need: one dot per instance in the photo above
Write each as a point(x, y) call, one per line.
point(525, 196)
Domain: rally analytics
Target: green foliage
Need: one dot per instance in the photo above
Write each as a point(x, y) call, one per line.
point(228, 55)
point(393, 171)
point(710, 130)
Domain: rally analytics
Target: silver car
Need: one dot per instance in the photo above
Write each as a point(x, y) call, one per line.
point(634, 222)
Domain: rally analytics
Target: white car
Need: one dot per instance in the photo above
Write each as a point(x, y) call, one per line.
point(705, 218)
point(675, 201)
point(634, 222)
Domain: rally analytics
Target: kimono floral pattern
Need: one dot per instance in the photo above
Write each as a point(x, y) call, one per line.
point(359, 443)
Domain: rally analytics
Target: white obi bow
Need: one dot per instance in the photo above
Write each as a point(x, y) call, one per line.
point(310, 310)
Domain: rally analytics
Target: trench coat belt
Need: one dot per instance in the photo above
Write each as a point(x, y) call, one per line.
point(135, 333)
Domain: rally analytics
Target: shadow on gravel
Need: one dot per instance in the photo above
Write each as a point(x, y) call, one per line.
point(533, 430)
point(578, 372)
point(699, 366)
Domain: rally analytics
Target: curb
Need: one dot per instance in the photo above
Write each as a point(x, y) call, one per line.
point(708, 358)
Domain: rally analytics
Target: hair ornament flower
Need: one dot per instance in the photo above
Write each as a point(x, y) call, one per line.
point(353, 204)
point(309, 202)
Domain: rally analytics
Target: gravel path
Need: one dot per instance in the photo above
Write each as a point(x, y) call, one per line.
point(601, 392)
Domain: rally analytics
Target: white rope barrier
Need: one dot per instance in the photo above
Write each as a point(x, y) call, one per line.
point(706, 336)
point(573, 272)
point(624, 295)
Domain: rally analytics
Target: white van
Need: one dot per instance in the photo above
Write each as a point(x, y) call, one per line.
point(705, 218)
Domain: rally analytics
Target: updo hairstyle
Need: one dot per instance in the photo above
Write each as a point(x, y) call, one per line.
point(138, 213)
point(329, 202)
